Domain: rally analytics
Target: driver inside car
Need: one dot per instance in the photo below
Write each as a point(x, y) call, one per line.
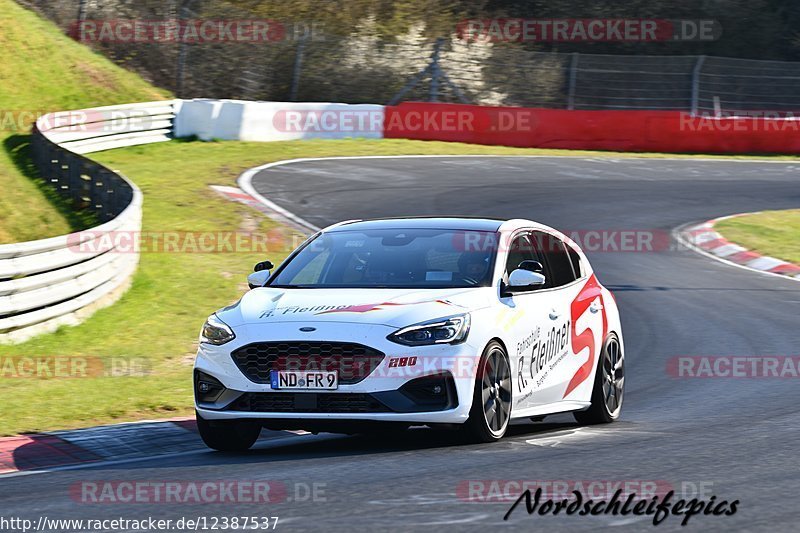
point(473, 267)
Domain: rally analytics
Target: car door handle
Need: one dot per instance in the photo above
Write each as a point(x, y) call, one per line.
point(554, 315)
point(595, 307)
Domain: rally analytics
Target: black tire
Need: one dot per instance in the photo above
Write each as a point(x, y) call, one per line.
point(488, 423)
point(228, 435)
point(609, 386)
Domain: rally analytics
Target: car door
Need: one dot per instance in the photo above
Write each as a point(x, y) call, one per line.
point(570, 317)
point(525, 317)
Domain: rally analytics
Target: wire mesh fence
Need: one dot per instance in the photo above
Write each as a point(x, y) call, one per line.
point(363, 68)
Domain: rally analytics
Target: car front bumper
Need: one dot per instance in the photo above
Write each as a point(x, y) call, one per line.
point(426, 384)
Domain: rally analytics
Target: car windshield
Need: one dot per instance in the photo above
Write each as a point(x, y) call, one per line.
point(392, 258)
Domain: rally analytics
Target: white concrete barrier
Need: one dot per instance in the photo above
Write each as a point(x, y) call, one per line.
point(278, 121)
point(197, 117)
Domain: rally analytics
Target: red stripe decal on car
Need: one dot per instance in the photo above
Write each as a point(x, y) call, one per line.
point(585, 339)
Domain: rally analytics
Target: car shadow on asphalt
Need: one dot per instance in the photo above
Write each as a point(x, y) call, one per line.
point(328, 445)
point(414, 439)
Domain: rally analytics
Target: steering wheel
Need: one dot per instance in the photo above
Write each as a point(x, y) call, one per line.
point(467, 279)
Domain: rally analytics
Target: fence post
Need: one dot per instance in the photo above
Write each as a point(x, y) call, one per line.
point(438, 76)
point(181, 70)
point(78, 30)
point(698, 66)
point(298, 69)
point(573, 74)
point(412, 83)
point(183, 49)
point(436, 70)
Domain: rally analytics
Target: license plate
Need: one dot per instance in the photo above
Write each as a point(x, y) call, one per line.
point(304, 379)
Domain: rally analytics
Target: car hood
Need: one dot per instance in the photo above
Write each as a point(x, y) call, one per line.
point(391, 307)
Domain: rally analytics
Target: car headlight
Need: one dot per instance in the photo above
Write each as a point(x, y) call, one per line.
point(448, 330)
point(216, 332)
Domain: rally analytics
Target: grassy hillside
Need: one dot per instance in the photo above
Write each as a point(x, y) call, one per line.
point(41, 71)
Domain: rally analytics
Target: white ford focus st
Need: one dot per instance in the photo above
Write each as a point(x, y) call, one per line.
point(454, 322)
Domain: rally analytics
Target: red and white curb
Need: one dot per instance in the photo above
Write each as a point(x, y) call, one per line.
point(132, 441)
point(705, 239)
point(252, 199)
point(235, 194)
point(98, 444)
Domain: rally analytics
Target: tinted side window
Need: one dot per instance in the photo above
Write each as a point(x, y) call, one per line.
point(521, 249)
point(576, 261)
point(558, 259)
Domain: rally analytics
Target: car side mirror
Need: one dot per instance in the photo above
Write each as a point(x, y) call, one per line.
point(532, 266)
point(258, 279)
point(260, 274)
point(263, 265)
point(521, 280)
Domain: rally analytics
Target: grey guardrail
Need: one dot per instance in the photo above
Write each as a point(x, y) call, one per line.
point(52, 282)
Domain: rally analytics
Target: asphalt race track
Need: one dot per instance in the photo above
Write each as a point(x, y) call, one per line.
point(733, 438)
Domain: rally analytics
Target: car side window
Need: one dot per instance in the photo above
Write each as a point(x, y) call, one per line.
point(576, 262)
point(521, 249)
point(526, 247)
point(558, 259)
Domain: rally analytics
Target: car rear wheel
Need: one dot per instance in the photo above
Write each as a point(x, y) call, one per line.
point(228, 435)
point(491, 403)
point(609, 386)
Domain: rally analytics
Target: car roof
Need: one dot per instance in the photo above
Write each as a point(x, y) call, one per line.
point(446, 223)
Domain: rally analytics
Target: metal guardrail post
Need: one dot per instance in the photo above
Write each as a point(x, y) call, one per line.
point(77, 186)
point(113, 195)
point(101, 195)
point(698, 67)
point(53, 165)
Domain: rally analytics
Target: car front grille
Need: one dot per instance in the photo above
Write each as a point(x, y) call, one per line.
point(307, 402)
point(353, 362)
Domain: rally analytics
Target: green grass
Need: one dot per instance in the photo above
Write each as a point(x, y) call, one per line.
point(774, 233)
point(43, 71)
point(159, 318)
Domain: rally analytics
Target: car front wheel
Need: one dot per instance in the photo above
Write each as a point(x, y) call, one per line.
point(491, 403)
